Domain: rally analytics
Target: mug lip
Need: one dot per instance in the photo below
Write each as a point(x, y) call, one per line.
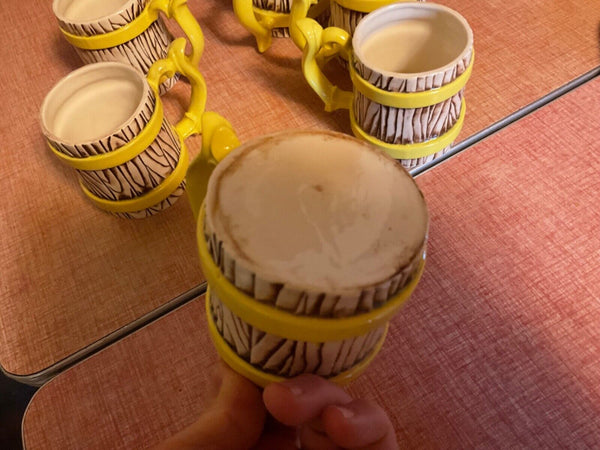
point(82, 71)
point(68, 20)
point(419, 5)
point(212, 202)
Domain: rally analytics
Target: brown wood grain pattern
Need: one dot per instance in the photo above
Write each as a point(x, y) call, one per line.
point(498, 347)
point(71, 274)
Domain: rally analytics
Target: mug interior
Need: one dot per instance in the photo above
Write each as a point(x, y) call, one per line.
point(87, 10)
point(92, 103)
point(411, 38)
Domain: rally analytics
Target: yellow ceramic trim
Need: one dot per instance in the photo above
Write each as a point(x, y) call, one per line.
point(176, 61)
point(150, 198)
point(412, 151)
point(365, 6)
point(263, 379)
point(411, 100)
point(176, 9)
point(244, 11)
point(122, 154)
point(288, 325)
point(318, 43)
point(272, 19)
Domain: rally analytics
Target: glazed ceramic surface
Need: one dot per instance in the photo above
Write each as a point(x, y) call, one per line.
point(411, 50)
point(93, 18)
point(410, 63)
point(326, 245)
point(100, 108)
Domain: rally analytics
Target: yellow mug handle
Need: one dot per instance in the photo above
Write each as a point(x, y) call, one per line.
point(259, 22)
point(329, 41)
point(176, 9)
point(301, 9)
point(218, 139)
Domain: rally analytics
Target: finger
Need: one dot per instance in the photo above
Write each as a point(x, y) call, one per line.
point(297, 401)
point(234, 420)
point(359, 424)
point(312, 439)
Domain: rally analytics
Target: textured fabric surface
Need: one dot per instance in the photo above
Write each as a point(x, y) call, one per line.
point(498, 348)
point(71, 274)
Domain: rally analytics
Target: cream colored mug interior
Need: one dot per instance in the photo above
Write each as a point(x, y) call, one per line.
point(88, 10)
point(411, 38)
point(93, 102)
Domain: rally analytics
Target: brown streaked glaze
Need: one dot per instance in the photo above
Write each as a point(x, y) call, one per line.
point(285, 357)
point(140, 52)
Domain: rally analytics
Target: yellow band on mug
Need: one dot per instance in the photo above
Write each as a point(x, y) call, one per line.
point(122, 154)
point(261, 378)
point(411, 100)
point(150, 198)
point(117, 37)
point(412, 151)
point(172, 8)
point(292, 326)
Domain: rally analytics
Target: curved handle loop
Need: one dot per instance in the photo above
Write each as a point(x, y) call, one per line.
point(329, 41)
point(178, 10)
point(260, 22)
point(218, 139)
point(260, 27)
point(177, 62)
point(298, 11)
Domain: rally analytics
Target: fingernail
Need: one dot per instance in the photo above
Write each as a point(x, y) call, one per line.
point(347, 413)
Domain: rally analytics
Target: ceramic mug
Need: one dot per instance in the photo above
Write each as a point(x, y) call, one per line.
point(271, 318)
point(128, 31)
point(409, 65)
point(266, 19)
point(106, 120)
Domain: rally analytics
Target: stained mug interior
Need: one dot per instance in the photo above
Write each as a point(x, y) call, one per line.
point(99, 108)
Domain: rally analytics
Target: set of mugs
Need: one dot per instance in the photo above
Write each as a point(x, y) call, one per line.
point(303, 277)
point(408, 62)
point(106, 119)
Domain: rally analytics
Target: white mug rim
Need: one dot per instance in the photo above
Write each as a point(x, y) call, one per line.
point(78, 73)
point(374, 15)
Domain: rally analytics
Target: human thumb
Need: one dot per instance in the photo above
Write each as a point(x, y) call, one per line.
point(234, 420)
